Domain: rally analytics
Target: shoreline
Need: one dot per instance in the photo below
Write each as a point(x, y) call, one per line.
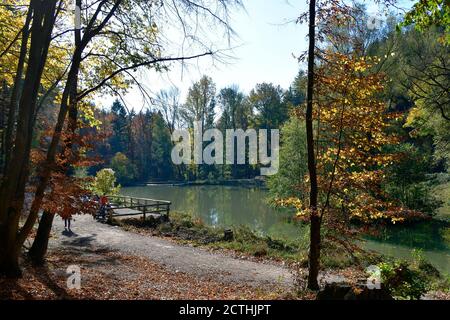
point(232, 182)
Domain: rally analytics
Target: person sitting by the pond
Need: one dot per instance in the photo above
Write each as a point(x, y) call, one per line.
point(103, 206)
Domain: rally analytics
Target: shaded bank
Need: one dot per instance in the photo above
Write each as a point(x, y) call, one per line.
point(258, 182)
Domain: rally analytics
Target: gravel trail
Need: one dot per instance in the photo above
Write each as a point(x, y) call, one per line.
point(180, 258)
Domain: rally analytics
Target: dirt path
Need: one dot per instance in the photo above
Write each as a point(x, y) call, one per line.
point(179, 258)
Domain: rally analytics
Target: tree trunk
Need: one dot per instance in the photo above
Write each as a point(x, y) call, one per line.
point(12, 190)
point(9, 265)
point(3, 112)
point(15, 94)
point(314, 253)
point(9, 254)
point(314, 249)
point(40, 244)
point(68, 105)
point(41, 241)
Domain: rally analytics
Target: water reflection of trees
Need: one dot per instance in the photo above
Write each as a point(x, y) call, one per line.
point(223, 205)
point(431, 235)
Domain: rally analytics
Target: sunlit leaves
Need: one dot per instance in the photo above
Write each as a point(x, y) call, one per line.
point(427, 13)
point(87, 111)
point(351, 135)
point(105, 183)
point(11, 20)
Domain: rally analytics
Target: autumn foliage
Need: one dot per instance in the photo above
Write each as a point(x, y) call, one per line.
point(66, 193)
point(352, 140)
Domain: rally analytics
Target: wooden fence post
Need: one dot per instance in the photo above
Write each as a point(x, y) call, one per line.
point(110, 215)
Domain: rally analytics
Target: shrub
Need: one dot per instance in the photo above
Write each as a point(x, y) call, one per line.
point(260, 250)
point(105, 183)
point(424, 266)
point(245, 235)
point(403, 281)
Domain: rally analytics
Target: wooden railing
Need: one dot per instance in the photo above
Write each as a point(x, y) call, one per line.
point(144, 206)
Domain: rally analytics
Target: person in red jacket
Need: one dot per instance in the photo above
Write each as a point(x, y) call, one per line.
point(104, 201)
point(103, 206)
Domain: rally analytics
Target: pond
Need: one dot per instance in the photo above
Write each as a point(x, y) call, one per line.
point(232, 206)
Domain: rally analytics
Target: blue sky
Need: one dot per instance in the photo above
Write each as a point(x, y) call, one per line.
point(264, 50)
point(268, 39)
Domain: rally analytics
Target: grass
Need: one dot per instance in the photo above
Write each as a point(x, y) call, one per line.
point(246, 241)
